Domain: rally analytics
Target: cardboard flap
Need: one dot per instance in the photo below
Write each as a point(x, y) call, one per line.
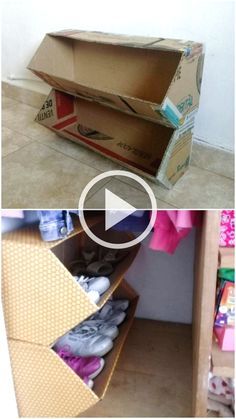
point(37, 290)
point(135, 41)
point(45, 386)
point(183, 94)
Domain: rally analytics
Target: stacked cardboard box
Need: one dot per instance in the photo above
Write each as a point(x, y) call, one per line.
point(132, 99)
point(41, 302)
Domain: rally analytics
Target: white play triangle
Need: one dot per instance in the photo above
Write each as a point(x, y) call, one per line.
point(116, 209)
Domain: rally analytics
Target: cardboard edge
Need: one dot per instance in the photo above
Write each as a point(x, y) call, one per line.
point(161, 173)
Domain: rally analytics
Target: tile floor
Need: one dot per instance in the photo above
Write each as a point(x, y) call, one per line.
point(42, 170)
point(153, 374)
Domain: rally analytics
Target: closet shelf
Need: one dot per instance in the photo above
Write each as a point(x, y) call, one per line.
point(226, 257)
point(222, 361)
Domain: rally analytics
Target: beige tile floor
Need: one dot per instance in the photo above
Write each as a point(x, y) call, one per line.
point(42, 170)
point(153, 375)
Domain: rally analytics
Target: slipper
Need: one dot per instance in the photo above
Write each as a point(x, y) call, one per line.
point(77, 267)
point(99, 268)
point(89, 254)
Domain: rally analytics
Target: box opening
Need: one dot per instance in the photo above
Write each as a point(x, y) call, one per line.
point(139, 73)
point(70, 250)
point(138, 142)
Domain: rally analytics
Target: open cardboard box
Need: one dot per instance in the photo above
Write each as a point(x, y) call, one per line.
point(152, 150)
point(46, 387)
point(41, 299)
point(151, 77)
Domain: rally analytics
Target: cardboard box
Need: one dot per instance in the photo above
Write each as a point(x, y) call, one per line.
point(152, 150)
point(154, 78)
point(41, 302)
point(46, 387)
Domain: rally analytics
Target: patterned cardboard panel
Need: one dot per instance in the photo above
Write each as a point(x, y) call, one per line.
point(40, 298)
point(45, 386)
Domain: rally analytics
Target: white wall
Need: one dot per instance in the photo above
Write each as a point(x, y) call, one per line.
point(25, 23)
point(164, 282)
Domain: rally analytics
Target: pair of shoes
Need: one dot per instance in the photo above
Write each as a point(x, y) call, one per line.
point(94, 337)
point(97, 261)
point(93, 286)
point(86, 368)
point(85, 340)
point(113, 312)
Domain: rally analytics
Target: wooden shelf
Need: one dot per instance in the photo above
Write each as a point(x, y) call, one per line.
point(222, 361)
point(226, 257)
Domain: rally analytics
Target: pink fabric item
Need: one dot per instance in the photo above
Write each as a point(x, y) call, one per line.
point(171, 227)
point(227, 230)
point(225, 337)
point(13, 213)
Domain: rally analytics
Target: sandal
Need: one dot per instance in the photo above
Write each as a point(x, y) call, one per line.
point(99, 268)
point(78, 267)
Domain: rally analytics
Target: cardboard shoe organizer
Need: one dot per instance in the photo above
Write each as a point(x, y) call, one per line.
point(132, 99)
point(41, 302)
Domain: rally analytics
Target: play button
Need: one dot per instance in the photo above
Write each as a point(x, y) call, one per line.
point(116, 208)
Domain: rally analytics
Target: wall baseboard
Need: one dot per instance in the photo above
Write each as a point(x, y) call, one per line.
point(204, 154)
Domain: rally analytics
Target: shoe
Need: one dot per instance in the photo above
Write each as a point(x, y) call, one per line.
point(94, 296)
point(88, 382)
point(85, 341)
point(121, 304)
point(99, 284)
point(102, 327)
point(113, 312)
point(88, 367)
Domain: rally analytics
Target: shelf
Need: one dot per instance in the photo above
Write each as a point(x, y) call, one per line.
point(226, 257)
point(222, 361)
point(102, 381)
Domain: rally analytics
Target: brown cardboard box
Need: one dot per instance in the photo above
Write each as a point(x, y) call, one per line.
point(156, 151)
point(154, 78)
point(41, 302)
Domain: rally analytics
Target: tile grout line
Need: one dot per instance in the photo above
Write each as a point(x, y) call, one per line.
point(18, 149)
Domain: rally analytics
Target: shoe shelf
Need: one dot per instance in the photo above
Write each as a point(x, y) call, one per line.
point(222, 361)
point(41, 302)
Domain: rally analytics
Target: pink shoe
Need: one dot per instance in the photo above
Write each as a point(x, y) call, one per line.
point(86, 367)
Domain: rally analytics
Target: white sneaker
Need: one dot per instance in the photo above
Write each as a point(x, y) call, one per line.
point(94, 296)
point(102, 327)
point(121, 304)
point(85, 341)
point(99, 283)
point(113, 312)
